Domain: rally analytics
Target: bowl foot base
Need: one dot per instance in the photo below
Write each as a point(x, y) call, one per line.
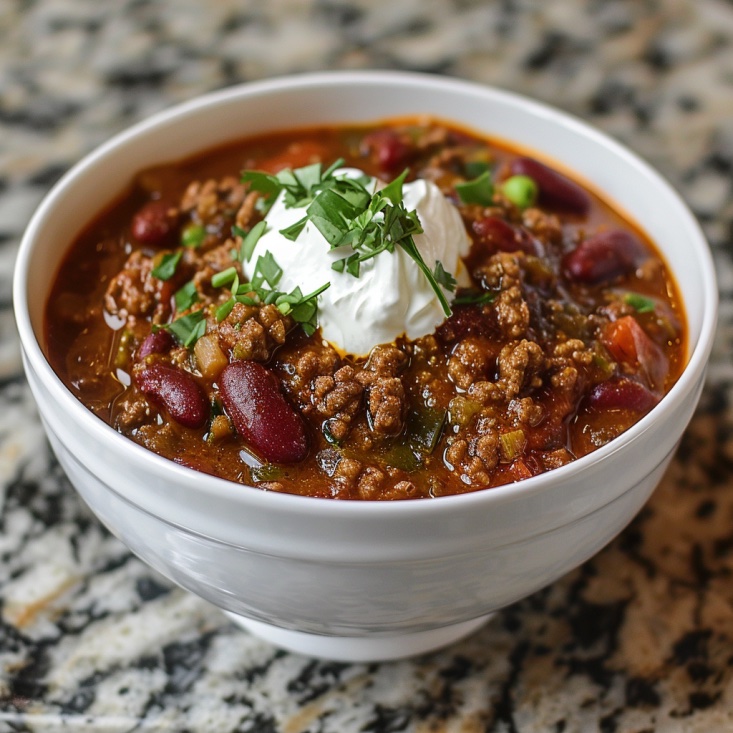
point(374, 647)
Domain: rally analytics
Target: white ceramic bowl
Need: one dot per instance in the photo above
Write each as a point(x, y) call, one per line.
point(357, 580)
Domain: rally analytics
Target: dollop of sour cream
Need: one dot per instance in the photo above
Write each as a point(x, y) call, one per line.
point(391, 297)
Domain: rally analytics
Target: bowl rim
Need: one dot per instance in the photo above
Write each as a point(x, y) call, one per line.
point(350, 508)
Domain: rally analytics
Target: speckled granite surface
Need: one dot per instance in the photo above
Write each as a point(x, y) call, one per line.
point(638, 639)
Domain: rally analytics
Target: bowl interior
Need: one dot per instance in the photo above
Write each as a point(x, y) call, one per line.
point(217, 508)
point(624, 180)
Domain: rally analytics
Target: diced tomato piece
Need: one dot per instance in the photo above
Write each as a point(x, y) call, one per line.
point(520, 470)
point(551, 432)
point(629, 344)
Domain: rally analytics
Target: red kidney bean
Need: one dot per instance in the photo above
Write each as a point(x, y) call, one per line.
point(555, 190)
point(389, 150)
point(176, 391)
point(604, 257)
point(154, 224)
point(500, 236)
point(622, 394)
point(260, 413)
point(157, 342)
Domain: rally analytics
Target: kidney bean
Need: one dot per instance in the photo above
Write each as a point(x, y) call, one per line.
point(176, 391)
point(252, 398)
point(604, 257)
point(555, 190)
point(497, 235)
point(622, 394)
point(157, 342)
point(391, 153)
point(154, 223)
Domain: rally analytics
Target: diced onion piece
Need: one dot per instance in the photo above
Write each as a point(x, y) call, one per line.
point(209, 356)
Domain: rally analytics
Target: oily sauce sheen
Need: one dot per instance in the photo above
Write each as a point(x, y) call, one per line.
point(571, 330)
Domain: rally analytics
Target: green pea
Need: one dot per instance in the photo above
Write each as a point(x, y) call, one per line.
point(193, 236)
point(520, 190)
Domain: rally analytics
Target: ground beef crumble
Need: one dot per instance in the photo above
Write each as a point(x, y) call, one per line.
point(253, 332)
point(386, 396)
point(338, 398)
point(135, 293)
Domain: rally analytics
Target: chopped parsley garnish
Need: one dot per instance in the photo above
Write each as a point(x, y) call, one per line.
point(166, 267)
point(303, 309)
point(443, 277)
point(267, 270)
point(300, 185)
point(187, 329)
point(472, 297)
point(186, 296)
point(478, 190)
point(249, 240)
point(475, 168)
point(640, 303)
point(346, 213)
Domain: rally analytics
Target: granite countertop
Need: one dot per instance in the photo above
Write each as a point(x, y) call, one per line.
point(640, 638)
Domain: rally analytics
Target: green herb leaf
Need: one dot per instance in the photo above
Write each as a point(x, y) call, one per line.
point(268, 270)
point(640, 303)
point(249, 240)
point(475, 168)
point(300, 186)
point(393, 191)
point(443, 277)
point(293, 231)
point(480, 297)
point(166, 267)
point(477, 191)
point(189, 328)
point(265, 183)
point(186, 296)
point(305, 311)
